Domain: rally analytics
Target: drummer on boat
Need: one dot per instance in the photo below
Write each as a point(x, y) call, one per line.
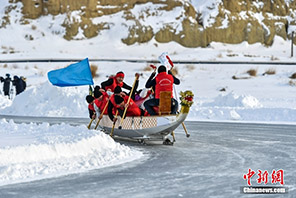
point(162, 82)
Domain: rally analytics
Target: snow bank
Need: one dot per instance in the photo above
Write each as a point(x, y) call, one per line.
point(4, 101)
point(30, 151)
point(234, 100)
point(48, 100)
point(231, 106)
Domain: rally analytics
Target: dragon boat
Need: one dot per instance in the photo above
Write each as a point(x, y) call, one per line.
point(152, 128)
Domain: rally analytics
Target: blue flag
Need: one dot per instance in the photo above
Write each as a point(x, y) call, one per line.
point(74, 75)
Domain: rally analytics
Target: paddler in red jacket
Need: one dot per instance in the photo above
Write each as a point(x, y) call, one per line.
point(163, 82)
point(91, 109)
point(101, 100)
point(112, 106)
point(117, 80)
point(132, 108)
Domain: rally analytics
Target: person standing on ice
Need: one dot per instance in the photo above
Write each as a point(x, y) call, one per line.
point(117, 80)
point(6, 85)
point(1, 80)
point(19, 86)
point(23, 80)
point(163, 82)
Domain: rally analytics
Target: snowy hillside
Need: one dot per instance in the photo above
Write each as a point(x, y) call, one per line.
point(159, 27)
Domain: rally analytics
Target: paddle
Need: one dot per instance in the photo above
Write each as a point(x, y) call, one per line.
point(172, 65)
point(129, 98)
point(112, 130)
point(173, 134)
point(184, 127)
point(101, 116)
point(153, 67)
point(88, 126)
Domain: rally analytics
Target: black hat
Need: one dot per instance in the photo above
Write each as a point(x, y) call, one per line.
point(97, 93)
point(96, 90)
point(118, 99)
point(97, 87)
point(117, 90)
point(139, 91)
point(7, 75)
point(89, 98)
point(161, 68)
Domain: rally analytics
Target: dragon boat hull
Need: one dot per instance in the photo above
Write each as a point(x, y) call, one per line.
point(145, 128)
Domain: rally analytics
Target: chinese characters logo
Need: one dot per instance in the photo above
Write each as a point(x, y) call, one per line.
point(275, 177)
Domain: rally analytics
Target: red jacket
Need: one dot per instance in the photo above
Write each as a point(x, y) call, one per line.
point(164, 82)
point(115, 84)
point(115, 106)
point(91, 107)
point(141, 100)
point(102, 103)
point(132, 109)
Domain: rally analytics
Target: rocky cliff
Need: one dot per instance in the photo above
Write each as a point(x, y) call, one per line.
point(227, 21)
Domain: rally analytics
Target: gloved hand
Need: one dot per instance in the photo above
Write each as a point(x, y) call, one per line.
point(109, 93)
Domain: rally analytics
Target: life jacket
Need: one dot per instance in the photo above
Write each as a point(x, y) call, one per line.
point(112, 100)
point(91, 107)
point(115, 84)
point(102, 103)
point(132, 109)
point(164, 82)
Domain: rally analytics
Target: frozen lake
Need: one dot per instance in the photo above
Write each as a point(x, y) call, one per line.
point(211, 163)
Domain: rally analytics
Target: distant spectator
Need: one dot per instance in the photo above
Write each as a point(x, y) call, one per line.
point(19, 85)
point(1, 80)
point(23, 80)
point(6, 85)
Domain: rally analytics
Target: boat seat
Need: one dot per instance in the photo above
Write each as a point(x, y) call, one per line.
point(165, 102)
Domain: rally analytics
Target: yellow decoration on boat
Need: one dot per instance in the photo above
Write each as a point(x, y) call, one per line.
point(186, 98)
point(186, 101)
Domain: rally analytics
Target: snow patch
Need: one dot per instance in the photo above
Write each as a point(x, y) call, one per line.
point(233, 100)
point(4, 101)
point(36, 151)
point(40, 100)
